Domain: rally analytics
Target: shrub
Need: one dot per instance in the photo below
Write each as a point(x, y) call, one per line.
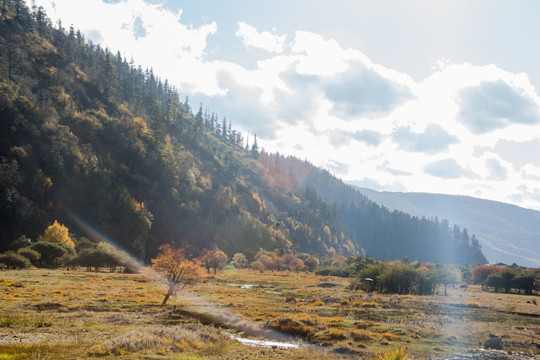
point(291, 327)
point(511, 280)
point(500, 281)
point(258, 265)
point(336, 334)
point(84, 244)
point(370, 304)
point(51, 253)
point(370, 272)
point(347, 271)
point(21, 242)
point(396, 278)
point(311, 263)
point(360, 335)
point(30, 254)
point(400, 279)
point(399, 354)
point(291, 262)
point(96, 258)
point(12, 260)
point(239, 261)
point(480, 273)
point(390, 337)
point(525, 283)
point(426, 280)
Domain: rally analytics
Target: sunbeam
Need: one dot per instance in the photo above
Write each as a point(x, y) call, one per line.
point(196, 306)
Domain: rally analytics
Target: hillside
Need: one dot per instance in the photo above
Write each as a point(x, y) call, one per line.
point(96, 142)
point(508, 233)
point(381, 233)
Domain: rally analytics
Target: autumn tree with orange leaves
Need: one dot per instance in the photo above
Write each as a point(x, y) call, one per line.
point(177, 270)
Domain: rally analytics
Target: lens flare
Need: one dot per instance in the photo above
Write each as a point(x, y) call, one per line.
point(199, 307)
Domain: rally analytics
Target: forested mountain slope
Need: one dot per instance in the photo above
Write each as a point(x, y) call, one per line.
point(381, 233)
point(87, 137)
point(508, 233)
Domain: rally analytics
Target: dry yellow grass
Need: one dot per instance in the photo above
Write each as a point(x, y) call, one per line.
point(58, 314)
point(77, 314)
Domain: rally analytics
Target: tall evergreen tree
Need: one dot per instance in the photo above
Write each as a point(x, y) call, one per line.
point(255, 148)
point(224, 132)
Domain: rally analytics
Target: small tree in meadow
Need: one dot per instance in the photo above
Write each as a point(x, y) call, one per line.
point(449, 275)
point(177, 270)
point(239, 261)
point(214, 259)
point(311, 263)
point(51, 253)
point(57, 233)
point(291, 262)
point(100, 256)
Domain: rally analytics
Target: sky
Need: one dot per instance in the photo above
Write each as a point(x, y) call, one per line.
point(424, 96)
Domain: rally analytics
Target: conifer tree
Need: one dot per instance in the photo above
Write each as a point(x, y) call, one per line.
point(187, 107)
point(224, 133)
point(255, 148)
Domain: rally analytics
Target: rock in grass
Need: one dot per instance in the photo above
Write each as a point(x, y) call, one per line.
point(493, 343)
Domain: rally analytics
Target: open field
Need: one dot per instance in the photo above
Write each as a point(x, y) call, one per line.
point(59, 314)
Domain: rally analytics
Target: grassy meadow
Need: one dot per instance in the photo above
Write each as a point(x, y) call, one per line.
point(75, 314)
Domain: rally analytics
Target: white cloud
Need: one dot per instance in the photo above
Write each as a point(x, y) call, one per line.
point(464, 129)
point(496, 169)
point(447, 169)
point(434, 139)
point(318, 56)
point(260, 40)
point(174, 50)
point(530, 172)
point(495, 105)
point(363, 92)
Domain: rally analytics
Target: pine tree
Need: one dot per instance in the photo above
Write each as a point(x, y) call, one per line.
point(255, 148)
point(199, 117)
point(187, 107)
point(224, 133)
point(247, 143)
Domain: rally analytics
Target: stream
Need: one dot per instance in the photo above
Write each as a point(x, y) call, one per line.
point(266, 343)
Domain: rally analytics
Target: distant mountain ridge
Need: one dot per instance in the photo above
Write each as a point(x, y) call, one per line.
point(508, 233)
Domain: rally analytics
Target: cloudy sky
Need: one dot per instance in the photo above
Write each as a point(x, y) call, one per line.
point(431, 96)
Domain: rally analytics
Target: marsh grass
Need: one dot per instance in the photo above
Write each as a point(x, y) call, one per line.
point(75, 314)
point(159, 339)
point(398, 354)
point(420, 322)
